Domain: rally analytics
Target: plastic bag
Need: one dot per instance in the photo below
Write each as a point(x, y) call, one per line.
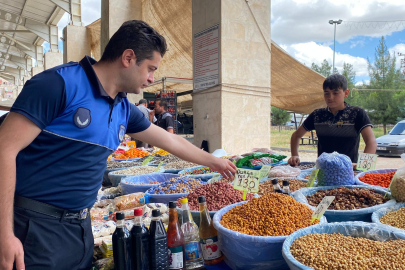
point(108, 193)
point(334, 169)
point(100, 228)
point(251, 252)
point(355, 229)
point(264, 150)
point(105, 264)
point(132, 184)
point(284, 171)
point(397, 186)
point(129, 201)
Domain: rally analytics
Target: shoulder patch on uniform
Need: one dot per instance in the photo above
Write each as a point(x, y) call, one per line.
point(121, 133)
point(82, 118)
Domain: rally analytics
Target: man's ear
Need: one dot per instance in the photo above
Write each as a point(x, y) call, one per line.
point(347, 91)
point(128, 58)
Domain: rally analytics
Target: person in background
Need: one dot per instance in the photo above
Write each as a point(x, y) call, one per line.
point(338, 126)
point(164, 119)
point(143, 107)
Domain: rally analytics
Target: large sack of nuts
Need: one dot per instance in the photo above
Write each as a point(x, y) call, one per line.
point(334, 169)
point(397, 186)
point(141, 183)
point(362, 202)
point(371, 174)
point(116, 176)
point(368, 245)
point(393, 216)
point(244, 251)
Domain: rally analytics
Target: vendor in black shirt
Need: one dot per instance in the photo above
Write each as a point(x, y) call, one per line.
point(164, 118)
point(338, 126)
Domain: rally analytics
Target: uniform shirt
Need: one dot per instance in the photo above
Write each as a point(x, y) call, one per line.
point(340, 132)
point(80, 126)
point(165, 121)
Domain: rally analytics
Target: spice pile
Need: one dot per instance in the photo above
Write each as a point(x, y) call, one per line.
point(136, 170)
point(132, 153)
point(169, 158)
point(180, 165)
point(176, 185)
point(217, 195)
point(348, 199)
point(161, 152)
point(377, 179)
point(395, 218)
point(269, 215)
point(267, 187)
point(336, 251)
point(113, 164)
point(204, 170)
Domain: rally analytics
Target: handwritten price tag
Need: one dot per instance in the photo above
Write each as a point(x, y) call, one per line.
point(214, 179)
point(312, 178)
point(322, 207)
point(246, 181)
point(160, 165)
point(147, 160)
point(264, 171)
point(366, 162)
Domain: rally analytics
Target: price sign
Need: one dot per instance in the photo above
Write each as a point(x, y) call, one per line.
point(322, 207)
point(214, 179)
point(160, 165)
point(264, 171)
point(247, 181)
point(366, 162)
point(147, 160)
point(312, 178)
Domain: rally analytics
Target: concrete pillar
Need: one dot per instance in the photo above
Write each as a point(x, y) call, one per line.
point(76, 12)
point(76, 43)
point(36, 70)
point(39, 52)
point(234, 111)
point(114, 13)
point(29, 66)
point(53, 58)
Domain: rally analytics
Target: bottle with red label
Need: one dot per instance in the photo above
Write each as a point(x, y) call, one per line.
point(208, 236)
point(175, 240)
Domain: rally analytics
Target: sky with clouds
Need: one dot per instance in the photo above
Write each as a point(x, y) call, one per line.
point(301, 28)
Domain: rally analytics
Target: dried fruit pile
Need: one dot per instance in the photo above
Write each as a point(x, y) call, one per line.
point(377, 179)
point(132, 153)
point(348, 199)
point(176, 185)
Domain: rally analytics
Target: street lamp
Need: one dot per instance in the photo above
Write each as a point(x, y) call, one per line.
point(334, 41)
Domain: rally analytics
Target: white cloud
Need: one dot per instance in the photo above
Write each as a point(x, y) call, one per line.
point(311, 52)
point(365, 82)
point(307, 20)
point(399, 48)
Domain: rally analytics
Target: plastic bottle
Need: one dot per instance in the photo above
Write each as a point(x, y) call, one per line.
point(208, 236)
point(286, 187)
point(121, 240)
point(175, 239)
point(140, 242)
point(158, 253)
point(192, 249)
point(276, 186)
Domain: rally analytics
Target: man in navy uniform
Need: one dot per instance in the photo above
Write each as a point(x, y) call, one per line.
point(55, 143)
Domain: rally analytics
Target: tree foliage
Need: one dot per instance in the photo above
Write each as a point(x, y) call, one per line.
point(325, 69)
point(279, 116)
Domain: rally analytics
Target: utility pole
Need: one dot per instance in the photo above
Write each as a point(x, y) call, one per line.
point(334, 41)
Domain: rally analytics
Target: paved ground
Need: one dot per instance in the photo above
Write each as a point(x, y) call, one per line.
point(382, 162)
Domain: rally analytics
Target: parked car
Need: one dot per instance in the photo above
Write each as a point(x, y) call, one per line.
point(392, 144)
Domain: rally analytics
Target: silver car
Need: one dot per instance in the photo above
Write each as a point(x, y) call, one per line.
point(392, 144)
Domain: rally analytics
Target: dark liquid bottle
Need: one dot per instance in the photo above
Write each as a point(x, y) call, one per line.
point(121, 245)
point(175, 240)
point(158, 252)
point(140, 243)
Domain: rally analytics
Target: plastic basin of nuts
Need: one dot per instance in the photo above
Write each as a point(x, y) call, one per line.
point(243, 251)
point(395, 219)
point(362, 214)
point(358, 182)
point(327, 260)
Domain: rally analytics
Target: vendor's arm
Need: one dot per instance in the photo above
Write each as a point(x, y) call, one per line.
point(180, 147)
point(308, 125)
point(369, 139)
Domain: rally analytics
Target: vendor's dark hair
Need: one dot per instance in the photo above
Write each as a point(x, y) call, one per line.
point(334, 82)
point(143, 101)
point(163, 103)
point(137, 36)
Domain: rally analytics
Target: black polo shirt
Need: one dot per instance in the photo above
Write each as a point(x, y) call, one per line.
point(165, 121)
point(340, 132)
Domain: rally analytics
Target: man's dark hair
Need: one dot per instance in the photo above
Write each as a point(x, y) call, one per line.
point(143, 101)
point(137, 36)
point(163, 103)
point(334, 82)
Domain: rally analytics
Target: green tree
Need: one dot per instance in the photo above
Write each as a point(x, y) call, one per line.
point(325, 69)
point(350, 75)
point(383, 106)
point(279, 116)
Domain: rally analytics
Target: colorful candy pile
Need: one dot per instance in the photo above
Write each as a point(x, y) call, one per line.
point(176, 185)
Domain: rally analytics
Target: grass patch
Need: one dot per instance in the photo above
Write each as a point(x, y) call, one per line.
point(282, 139)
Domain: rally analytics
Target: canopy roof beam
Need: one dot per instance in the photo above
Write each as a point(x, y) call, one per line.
point(73, 7)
